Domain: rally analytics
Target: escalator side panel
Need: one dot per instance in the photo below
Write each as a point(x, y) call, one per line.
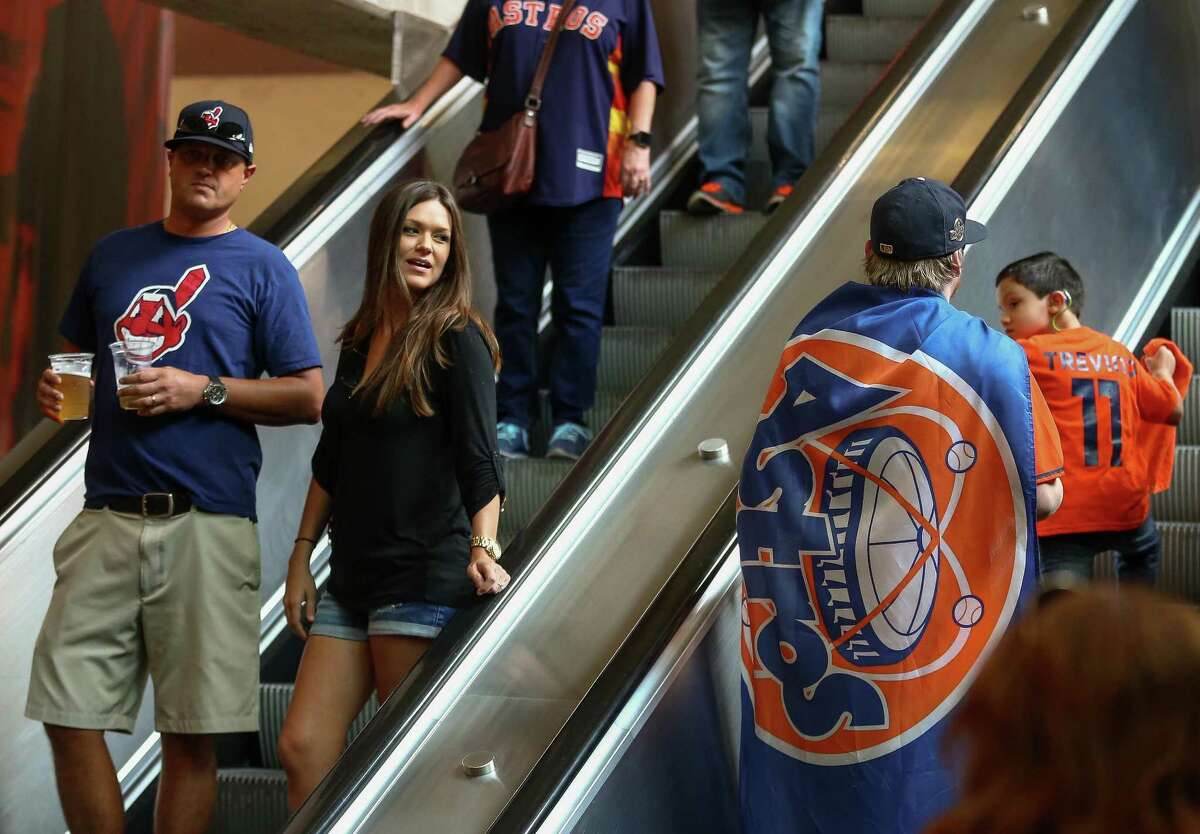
point(1115, 174)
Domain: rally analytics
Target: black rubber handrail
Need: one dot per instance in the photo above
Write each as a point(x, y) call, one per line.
point(280, 223)
point(403, 708)
point(558, 766)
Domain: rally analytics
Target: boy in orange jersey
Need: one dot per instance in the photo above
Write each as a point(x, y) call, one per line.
point(1100, 396)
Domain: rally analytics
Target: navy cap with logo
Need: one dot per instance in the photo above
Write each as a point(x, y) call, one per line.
point(922, 218)
point(215, 123)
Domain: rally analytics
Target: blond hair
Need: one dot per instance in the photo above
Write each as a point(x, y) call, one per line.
point(927, 274)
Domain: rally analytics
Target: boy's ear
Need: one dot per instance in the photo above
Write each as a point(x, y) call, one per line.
point(1059, 300)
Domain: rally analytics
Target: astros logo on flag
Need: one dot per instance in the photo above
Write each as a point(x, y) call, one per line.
point(882, 524)
point(158, 311)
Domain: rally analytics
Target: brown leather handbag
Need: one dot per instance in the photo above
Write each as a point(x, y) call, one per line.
point(496, 168)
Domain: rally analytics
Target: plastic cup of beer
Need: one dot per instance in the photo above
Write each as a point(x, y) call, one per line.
point(75, 371)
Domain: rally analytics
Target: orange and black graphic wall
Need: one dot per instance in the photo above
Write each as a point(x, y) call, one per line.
point(83, 95)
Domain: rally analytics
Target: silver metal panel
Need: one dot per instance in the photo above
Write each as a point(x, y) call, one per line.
point(620, 546)
point(1114, 175)
point(680, 771)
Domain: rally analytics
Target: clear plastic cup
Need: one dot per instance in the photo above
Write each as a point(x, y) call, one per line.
point(130, 355)
point(75, 371)
point(122, 367)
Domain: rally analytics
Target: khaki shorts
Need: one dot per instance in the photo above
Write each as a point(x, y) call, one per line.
point(176, 598)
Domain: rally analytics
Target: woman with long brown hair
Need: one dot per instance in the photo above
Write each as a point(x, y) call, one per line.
point(1085, 721)
point(406, 474)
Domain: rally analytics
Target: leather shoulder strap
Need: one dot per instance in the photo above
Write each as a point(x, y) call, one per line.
point(534, 100)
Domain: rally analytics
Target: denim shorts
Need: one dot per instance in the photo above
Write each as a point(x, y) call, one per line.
point(404, 619)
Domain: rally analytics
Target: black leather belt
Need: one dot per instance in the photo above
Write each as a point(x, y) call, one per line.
point(150, 505)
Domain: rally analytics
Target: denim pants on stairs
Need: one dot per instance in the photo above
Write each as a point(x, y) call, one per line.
point(726, 33)
point(576, 243)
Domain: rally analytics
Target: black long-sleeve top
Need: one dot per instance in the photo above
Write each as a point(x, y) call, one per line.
point(405, 487)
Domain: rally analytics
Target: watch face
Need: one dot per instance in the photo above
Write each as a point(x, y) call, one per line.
point(215, 393)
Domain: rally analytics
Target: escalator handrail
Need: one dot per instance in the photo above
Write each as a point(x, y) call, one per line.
point(339, 792)
point(550, 778)
point(284, 220)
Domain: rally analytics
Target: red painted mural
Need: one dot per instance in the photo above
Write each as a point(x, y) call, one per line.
point(83, 95)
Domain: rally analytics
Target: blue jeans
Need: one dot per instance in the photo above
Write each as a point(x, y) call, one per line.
point(722, 101)
point(1138, 553)
point(576, 242)
point(404, 619)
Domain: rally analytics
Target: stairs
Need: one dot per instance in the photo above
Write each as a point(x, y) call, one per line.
point(1177, 511)
point(651, 302)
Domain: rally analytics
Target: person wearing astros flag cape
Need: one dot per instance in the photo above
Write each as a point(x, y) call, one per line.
point(886, 526)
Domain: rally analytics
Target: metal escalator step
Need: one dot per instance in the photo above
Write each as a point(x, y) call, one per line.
point(899, 8)
point(1182, 501)
point(607, 402)
point(845, 83)
point(854, 38)
point(626, 354)
point(529, 482)
point(1179, 573)
point(1189, 429)
point(707, 243)
point(828, 124)
point(829, 119)
point(250, 801)
point(647, 296)
point(274, 700)
point(1185, 331)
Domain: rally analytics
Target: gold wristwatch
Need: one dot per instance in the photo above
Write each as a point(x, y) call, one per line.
point(487, 543)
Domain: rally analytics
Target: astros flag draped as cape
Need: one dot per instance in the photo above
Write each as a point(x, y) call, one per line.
point(886, 532)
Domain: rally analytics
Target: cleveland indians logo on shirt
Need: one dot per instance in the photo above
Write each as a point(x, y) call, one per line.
point(588, 23)
point(882, 530)
point(158, 311)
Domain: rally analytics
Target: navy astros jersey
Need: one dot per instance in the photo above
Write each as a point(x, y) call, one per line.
point(607, 48)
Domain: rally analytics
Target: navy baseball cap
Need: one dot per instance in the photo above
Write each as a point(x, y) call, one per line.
point(922, 218)
point(215, 123)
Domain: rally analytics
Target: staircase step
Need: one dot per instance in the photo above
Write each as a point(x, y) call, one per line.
point(899, 8)
point(250, 801)
point(706, 243)
point(273, 702)
point(645, 296)
point(1182, 501)
point(1185, 331)
point(1189, 429)
point(845, 83)
point(626, 354)
point(607, 402)
point(530, 482)
point(877, 39)
point(1179, 573)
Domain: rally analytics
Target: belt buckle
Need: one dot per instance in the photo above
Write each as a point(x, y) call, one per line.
point(146, 511)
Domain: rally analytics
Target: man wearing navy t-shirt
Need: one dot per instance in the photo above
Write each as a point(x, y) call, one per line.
point(160, 573)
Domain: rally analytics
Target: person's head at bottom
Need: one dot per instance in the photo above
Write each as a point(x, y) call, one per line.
point(919, 231)
point(1084, 719)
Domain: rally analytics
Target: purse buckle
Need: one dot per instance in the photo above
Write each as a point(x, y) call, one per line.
point(533, 102)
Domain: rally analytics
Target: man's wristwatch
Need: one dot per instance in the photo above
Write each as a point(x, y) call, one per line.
point(641, 138)
point(487, 543)
point(215, 393)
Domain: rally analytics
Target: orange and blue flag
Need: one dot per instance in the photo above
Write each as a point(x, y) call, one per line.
point(886, 529)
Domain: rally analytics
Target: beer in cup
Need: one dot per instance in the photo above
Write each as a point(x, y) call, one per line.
point(75, 371)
